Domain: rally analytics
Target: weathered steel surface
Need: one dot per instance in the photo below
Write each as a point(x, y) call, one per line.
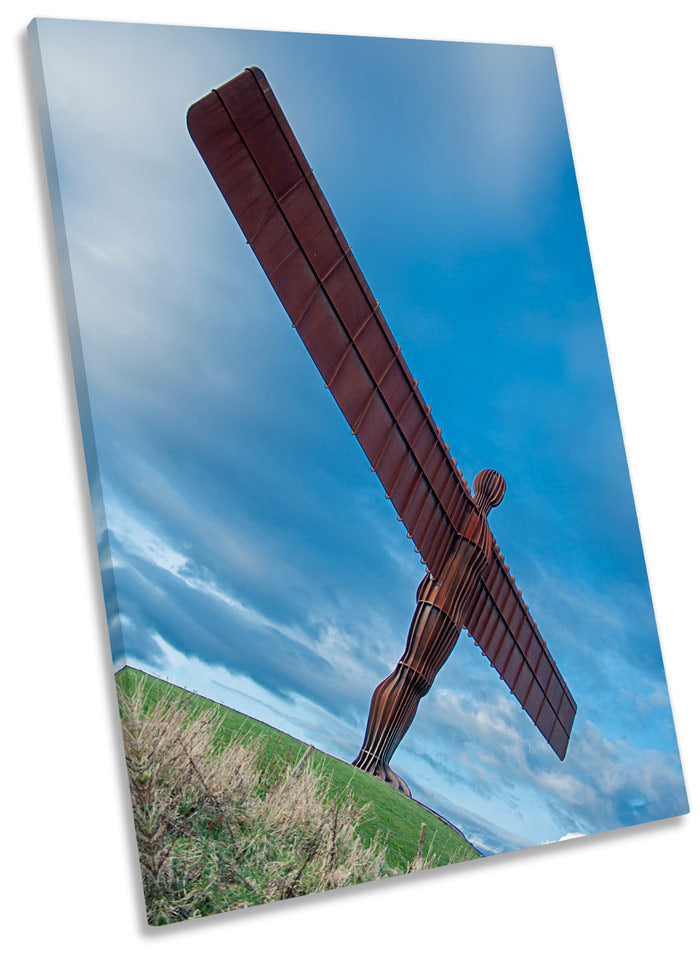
point(252, 154)
point(255, 159)
point(500, 622)
point(442, 601)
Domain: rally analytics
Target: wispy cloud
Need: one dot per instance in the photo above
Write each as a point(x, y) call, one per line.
point(602, 783)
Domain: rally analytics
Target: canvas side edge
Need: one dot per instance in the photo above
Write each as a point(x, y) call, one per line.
point(76, 350)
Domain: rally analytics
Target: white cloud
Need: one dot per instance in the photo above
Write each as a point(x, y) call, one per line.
point(565, 837)
point(331, 642)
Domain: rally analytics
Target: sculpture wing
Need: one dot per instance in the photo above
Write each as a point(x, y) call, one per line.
point(500, 623)
point(254, 158)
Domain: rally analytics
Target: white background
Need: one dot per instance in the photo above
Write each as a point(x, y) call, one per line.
point(629, 77)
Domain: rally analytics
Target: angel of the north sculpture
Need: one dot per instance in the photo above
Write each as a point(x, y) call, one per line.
point(254, 158)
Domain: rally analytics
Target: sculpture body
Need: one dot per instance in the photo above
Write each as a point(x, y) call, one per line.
point(437, 622)
point(253, 156)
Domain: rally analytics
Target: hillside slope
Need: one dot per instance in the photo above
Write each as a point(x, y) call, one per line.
point(384, 812)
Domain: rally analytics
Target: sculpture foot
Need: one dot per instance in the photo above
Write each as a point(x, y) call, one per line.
point(391, 777)
point(383, 772)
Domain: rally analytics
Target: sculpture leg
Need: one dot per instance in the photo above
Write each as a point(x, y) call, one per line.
point(431, 639)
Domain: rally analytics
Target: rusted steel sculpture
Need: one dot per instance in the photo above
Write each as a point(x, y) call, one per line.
point(253, 156)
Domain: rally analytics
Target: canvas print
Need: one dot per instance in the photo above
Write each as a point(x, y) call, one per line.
point(374, 584)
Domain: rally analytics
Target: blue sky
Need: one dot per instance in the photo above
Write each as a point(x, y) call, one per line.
point(247, 550)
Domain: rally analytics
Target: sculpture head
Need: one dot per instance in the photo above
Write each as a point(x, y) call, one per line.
point(489, 489)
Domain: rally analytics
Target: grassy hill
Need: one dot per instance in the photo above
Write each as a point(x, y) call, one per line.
point(381, 816)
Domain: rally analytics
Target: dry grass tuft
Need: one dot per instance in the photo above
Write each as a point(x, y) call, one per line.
point(217, 831)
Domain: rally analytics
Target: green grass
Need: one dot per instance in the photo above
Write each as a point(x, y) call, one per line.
point(387, 810)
